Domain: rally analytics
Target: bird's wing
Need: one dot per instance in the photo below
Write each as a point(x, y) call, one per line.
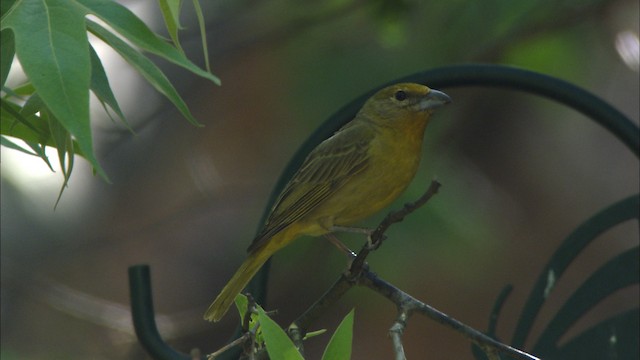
point(329, 166)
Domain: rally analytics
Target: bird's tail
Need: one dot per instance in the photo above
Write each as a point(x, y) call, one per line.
point(240, 279)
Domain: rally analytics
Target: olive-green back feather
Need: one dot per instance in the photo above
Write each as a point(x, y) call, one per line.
point(327, 168)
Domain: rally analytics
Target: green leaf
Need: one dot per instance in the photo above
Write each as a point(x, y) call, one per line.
point(7, 50)
point(5, 5)
point(100, 84)
point(132, 28)
point(278, 344)
point(146, 68)
point(13, 115)
point(39, 150)
point(25, 89)
point(203, 33)
point(50, 40)
point(171, 13)
point(64, 144)
point(339, 346)
point(311, 334)
point(242, 303)
point(4, 141)
point(52, 45)
point(21, 123)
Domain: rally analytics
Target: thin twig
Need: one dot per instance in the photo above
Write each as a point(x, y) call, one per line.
point(235, 342)
point(377, 236)
point(298, 329)
point(399, 215)
point(395, 332)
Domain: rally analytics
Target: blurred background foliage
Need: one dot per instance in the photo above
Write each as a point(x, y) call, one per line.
point(519, 173)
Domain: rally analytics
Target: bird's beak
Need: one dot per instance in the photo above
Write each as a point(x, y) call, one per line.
point(434, 100)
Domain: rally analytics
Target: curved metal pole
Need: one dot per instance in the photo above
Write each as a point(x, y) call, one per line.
point(144, 318)
point(450, 76)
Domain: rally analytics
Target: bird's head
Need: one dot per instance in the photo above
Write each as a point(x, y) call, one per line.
point(403, 100)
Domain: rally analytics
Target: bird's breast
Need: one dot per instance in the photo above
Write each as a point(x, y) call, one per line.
point(392, 164)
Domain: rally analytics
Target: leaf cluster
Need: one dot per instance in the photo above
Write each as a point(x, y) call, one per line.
point(50, 40)
point(266, 335)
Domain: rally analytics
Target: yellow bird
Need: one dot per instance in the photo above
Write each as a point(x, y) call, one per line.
point(353, 174)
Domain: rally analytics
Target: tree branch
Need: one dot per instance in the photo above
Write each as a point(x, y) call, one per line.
point(377, 236)
point(408, 304)
point(359, 274)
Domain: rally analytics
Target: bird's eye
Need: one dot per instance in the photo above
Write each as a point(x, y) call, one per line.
point(400, 95)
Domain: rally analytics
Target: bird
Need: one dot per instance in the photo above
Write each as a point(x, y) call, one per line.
point(351, 175)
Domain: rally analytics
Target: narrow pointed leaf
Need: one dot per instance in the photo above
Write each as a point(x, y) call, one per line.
point(39, 150)
point(242, 304)
point(278, 344)
point(339, 346)
point(171, 13)
point(146, 68)
point(4, 141)
point(64, 145)
point(12, 116)
point(7, 50)
point(29, 128)
point(100, 84)
point(131, 27)
point(203, 34)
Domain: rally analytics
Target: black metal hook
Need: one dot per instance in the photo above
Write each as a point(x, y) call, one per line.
point(144, 319)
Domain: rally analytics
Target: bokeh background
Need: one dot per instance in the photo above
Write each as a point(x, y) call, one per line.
point(518, 174)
